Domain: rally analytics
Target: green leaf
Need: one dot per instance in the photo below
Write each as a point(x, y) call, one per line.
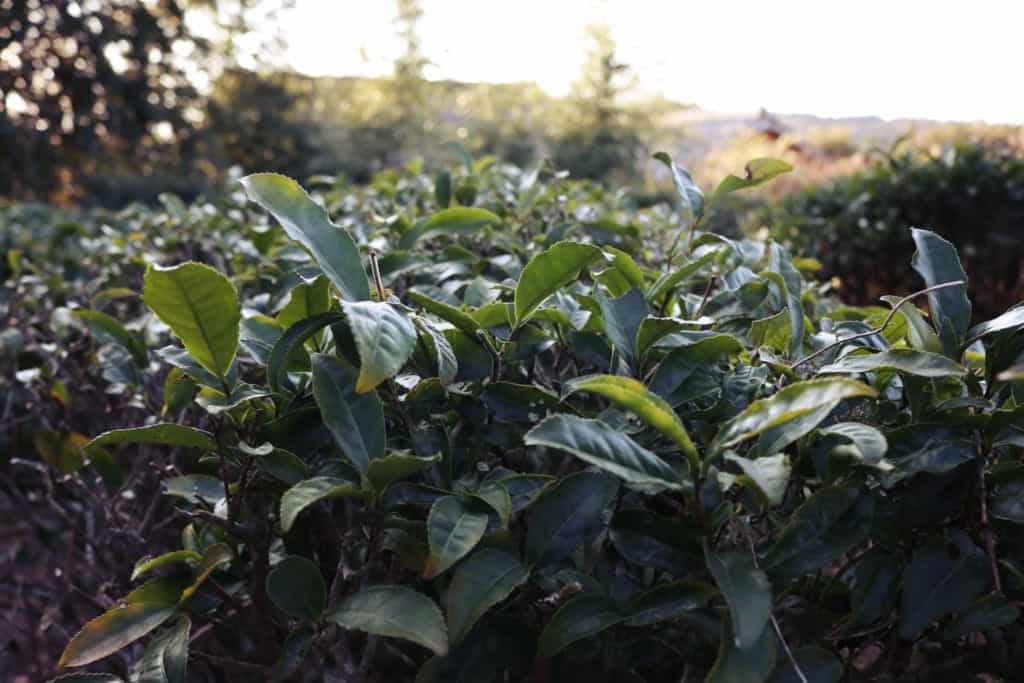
point(747, 594)
point(454, 527)
point(293, 338)
point(112, 630)
point(634, 396)
point(769, 473)
point(816, 396)
point(196, 488)
point(179, 390)
point(829, 523)
point(385, 338)
point(201, 307)
point(484, 579)
point(549, 271)
point(148, 564)
point(936, 583)
point(511, 402)
point(773, 331)
point(458, 221)
point(755, 172)
point(216, 555)
point(282, 465)
point(355, 420)
point(696, 359)
point(737, 664)
point(443, 189)
point(395, 612)
point(165, 434)
point(459, 319)
point(919, 363)
point(307, 223)
point(991, 611)
point(654, 329)
point(919, 332)
point(937, 262)
point(667, 283)
point(306, 300)
point(785, 275)
point(305, 493)
point(180, 358)
point(216, 402)
point(651, 540)
point(258, 334)
point(165, 659)
point(875, 582)
point(667, 601)
point(868, 441)
point(691, 198)
point(1012, 319)
point(601, 445)
point(396, 466)
point(165, 590)
point(566, 515)
point(296, 586)
point(582, 617)
point(106, 328)
point(626, 267)
point(441, 349)
point(622, 318)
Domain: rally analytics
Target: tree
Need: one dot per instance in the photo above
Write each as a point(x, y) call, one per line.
point(83, 80)
point(409, 94)
point(95, 96)
point(601, 134)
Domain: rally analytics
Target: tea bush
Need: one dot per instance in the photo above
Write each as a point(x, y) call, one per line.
point(499, 425)
point(856, 226)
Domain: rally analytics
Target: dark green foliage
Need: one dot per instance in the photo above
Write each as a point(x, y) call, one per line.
point(858, 226)
point(498, 443)
point(95, 79)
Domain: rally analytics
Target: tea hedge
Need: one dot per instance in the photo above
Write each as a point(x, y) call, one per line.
point(520, 430)
point(856, 226)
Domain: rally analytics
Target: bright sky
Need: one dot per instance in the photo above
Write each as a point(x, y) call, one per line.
point(891, 58)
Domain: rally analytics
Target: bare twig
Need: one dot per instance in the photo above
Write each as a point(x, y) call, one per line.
point(707, 295)
point(986, 526)
point(378, 282)
point(232, 528)
point(880, 328)
point(775, 622)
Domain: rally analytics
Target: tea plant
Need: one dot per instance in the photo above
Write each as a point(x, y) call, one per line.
point(512, 431)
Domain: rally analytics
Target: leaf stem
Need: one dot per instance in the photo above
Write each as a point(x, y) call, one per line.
point(880, 328)
point(378, 282)
point(986, 524)
point(775, 622)
point(707, 295)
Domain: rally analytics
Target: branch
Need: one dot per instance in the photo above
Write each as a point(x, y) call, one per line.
point(378, 282)
point(775, 622)
point(233, 528)
point(707, 295)
point(880, 328)
point(986, 524)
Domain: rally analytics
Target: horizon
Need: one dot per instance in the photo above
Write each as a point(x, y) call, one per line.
point(846, 80)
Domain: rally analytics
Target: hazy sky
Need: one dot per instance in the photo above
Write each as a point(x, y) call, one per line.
point(922, 58)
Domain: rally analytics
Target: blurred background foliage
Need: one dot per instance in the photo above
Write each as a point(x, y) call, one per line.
point(108, 102)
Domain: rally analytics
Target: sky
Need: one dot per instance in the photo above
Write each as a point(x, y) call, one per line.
point(936, 59)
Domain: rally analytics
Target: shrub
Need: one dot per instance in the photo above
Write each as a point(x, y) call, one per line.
point(857, 226)
point(551, 437)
